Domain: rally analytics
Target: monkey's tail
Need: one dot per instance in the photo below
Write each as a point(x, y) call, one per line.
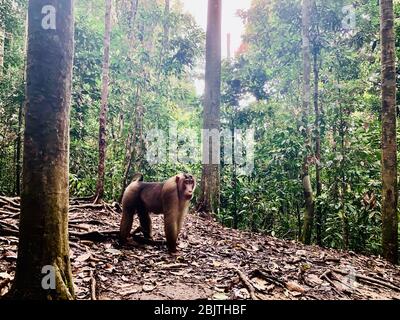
point(137, 177)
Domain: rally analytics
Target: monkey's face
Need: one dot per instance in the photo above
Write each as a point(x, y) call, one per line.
point(187, 185)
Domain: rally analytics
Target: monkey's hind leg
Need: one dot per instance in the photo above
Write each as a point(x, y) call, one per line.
point(145, 223)
point(126, 223)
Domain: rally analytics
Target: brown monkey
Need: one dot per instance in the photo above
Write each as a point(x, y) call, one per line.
point(171, 198)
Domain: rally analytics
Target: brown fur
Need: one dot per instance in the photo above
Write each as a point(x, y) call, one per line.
point(171, 198)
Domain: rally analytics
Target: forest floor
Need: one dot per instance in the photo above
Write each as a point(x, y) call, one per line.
point(214, 263)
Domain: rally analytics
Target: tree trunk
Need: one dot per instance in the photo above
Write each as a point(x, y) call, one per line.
point(43, 224)
point(389, 139)
point(104, 105)
point(210, 185)
point(307, 187)
point(318, 212)
point(20, 119)
point(18, 152)
point(345, 219)
point(128, 165)
point(234, 176)
point(166, 26)
point(139, 138)
point(2, 38)
point(132, 19)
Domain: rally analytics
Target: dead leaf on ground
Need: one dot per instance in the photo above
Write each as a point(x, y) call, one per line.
point(294, 286)
point(220, 296)
point(148, 287)
point(114, 251)
point(83, 257)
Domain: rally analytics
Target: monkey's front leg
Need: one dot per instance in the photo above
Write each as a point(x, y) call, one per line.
point(171, 231)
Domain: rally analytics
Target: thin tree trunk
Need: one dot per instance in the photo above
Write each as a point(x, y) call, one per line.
point(128, 166)
point(139, 145)
point(166, 25)
point(104, 105)
point(132, 19)
point(343, 186)
point(2, 38)
point(307, 187)
point(298, 221)
point(234, 176)
point(345, 220)
point(389, 138)
point(43, 224)
point(18, 152)
point(210, 184)
point(20, 120)
point(318, 212)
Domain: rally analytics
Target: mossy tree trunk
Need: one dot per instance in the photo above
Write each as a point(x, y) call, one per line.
point(44, 198)
point(2, 39)
point(307, 187)
point(210, 180)
point(317, 110)
point(389, 139)
point(104, 105)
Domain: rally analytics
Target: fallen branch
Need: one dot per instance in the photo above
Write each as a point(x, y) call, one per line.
point(90, 198)
point(94, 235)
point(86, 206)
point(5, 225)
point(110, 208)
point(8, 200)
point(270, 278)
point(143, 240)
point(11, 208)
point(75, 245)
point(7, 207)
point(369, 279)
point(81, 227)
point(7, 232)
point(8, 213)
point(78, 221)
point(247, 283)
point(332, 259)
point(325, 276)
point(92, 286)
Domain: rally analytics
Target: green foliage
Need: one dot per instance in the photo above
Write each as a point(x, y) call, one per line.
point(268, 69)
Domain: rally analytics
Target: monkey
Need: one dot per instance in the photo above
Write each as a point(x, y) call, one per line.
point(171, 198)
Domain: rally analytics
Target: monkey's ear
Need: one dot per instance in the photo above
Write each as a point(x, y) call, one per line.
point(177, 179)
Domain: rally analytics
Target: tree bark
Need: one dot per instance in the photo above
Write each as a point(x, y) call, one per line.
point(318, 212)
point(166, 25)
point(139, 151)
point(210, 184)
point(345, 219)
point(307, 187)
point(2, 38)
point(43, 224)
point(20, 120)
point(104, 105)
point(389, 139)
point(132, 19)
point(18, 145)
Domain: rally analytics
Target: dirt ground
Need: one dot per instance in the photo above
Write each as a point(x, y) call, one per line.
point(214, 263)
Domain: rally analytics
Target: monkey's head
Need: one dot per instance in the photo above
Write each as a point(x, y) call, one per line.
point(186, 185)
